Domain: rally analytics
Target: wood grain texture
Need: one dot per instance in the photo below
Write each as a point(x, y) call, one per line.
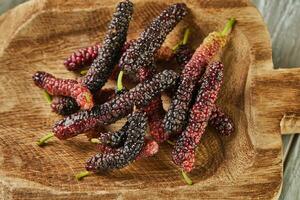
point(246, 166)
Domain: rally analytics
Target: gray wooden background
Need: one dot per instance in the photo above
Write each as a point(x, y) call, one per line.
point(282, 18)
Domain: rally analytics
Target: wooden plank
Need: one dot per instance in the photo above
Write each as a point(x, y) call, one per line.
point(282, 20)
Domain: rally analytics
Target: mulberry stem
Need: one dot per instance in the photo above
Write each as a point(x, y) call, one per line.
point(44, 139)
point(119, 81)
point(170, 142)
point(186, 178)
point(48, 97)
point(186, 36)
point(228, 27)
point(82, 174)
point(83, 72)
point(95, 141)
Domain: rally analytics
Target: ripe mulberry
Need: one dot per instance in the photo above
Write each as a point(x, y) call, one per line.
point(221, 122)
point(101, 162)
point(102, 67)
point(183, 153)
point(142, 52)
point(115, 109)
point(176, 116)
point(64, 87)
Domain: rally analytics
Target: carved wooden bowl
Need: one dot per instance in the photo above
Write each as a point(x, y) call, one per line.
point(39, 35)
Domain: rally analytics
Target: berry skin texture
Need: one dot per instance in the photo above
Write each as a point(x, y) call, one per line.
point(64, 105)
point(142, 52)
point(176, 116)
point(126, 154)
point(64, 87)
point(183, 55)
point(110, 52)
point(82, 58)
point(150, 148)
point(221, 122)
point(183, 153)
point(115, 109)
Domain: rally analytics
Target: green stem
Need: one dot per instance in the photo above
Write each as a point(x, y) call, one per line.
point(170, 142)
point(228, 27)
point(186, 178)
point(82, 174)
point(119, 81)
point(48, 97)
point(186, 36)
point(44, 139)
point(83, 72)
point(95, 141)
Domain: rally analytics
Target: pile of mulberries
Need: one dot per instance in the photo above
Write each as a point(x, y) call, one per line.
point(87, 107)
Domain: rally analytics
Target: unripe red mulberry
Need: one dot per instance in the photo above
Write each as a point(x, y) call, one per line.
point(175, 119)
point(64, 87)
point(183, 153)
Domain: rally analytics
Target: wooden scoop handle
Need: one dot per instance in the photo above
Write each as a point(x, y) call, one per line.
point(286, 84)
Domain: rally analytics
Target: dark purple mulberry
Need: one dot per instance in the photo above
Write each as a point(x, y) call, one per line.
point(176, 116)
point(142, 52)
point(102, 67)
point(183, 153)
point(183, 55)
point(115, 109)
point(64, 105)
point(64, 87)
point(221, 122)
point(101, 162)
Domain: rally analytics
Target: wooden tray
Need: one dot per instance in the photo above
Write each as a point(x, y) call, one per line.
point(39, 34)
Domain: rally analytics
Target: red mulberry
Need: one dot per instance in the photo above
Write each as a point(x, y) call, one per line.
point(142, 52)
point(124, 155)
point(176, 116)
point(64, 87)
point(115, 109)
point(64, 105)
point(183, 153)
point(149, 149)
point(102, 67)
point(82, 58)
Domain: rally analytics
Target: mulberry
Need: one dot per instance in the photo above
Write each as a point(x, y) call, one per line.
point(142, 52)
point(183, 153)
point(102, 67)
point(82, 58)
point(115, 109)
point(221, 122)
point(149, 149)
point(64, 87)
point(64, 105)
point(176, 116)
point(137, 124)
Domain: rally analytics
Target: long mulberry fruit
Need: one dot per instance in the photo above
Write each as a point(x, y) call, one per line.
point(102, 67)
point(176, 116)
point(142, 52)
point(115, 109)
point(150, 148)
point(124, 155)
point(183, 153)
point(64, 87)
